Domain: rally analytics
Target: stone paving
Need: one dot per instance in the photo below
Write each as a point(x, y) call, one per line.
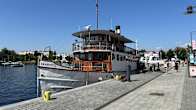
point(189, 94)
point(163, 93)
point(88, 97)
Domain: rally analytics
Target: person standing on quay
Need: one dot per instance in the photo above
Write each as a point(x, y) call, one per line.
point(176, 66)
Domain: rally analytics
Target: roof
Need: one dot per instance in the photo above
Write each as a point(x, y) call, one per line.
point(83, 34)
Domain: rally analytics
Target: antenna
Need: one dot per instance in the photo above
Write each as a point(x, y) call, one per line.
point(97, 13)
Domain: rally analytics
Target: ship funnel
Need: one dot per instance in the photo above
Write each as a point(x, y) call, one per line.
point(117, 29)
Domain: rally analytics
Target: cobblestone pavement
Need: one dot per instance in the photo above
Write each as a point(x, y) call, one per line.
point(163, 93)
point(189, 94)
point(87, 97)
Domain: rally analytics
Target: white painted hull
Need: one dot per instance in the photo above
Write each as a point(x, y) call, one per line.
point(51, 79)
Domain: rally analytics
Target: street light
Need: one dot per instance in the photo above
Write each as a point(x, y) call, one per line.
point(189, 10)
point(191, 36)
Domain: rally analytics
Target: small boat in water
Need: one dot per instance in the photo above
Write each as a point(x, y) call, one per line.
point(17, 64)
point(6, 63)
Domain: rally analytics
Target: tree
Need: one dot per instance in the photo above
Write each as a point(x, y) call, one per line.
point(142, 51)
point(181, 53)
point(170, 54)
point(36, 54)
point(59, 58)
point(52, 55)
point(69, 59)
point(4, 53)
point(1, 56)
point(162, 54)
point(7, 55)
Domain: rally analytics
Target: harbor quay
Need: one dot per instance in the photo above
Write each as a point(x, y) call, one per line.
point(163, 93)
point(88, 97)
point(147, 91)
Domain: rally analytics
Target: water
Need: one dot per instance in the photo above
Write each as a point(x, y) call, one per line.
point(17, 84)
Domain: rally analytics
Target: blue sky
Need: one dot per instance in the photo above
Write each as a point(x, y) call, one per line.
point(35, 24)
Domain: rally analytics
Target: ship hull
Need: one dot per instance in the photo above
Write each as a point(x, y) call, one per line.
point(60, 79)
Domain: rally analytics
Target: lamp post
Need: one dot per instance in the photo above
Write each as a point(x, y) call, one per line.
point(191, 38)
point(189, 11)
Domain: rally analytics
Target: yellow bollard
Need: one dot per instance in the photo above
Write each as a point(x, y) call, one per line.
point(118, 77)
point(46, 95)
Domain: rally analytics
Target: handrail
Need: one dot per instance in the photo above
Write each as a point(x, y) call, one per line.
point(92, 65)
point(100, 46)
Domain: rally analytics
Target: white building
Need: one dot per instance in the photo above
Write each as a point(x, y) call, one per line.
point(25, 52)
point(151, 53)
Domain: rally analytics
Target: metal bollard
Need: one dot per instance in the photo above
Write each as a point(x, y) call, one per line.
point(129, 73)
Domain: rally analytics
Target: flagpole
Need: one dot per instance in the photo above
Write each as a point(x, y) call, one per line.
point(97, 13)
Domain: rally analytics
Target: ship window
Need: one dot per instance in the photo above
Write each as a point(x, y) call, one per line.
point(76, 56)
point(90, 56)
point(105, 56)
point(102, 38)
point(82, 56)
point(117, 57)
point(113, 56)
point(92, 38)
point(121, 58)
point(98, 56)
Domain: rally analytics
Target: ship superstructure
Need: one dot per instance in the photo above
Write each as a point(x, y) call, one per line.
point(103, 50)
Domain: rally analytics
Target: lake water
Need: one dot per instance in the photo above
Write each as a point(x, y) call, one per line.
point(17, 84)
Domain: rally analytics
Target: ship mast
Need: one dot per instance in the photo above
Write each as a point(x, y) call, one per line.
point(97, 13)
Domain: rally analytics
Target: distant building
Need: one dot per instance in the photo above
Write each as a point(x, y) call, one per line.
point(25, 52)
point(45, 53)
point(150, 56)
point(151, 53)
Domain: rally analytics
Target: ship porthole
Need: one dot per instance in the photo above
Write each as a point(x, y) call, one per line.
point(42, 75)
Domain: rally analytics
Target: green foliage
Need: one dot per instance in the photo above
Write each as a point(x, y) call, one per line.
point(141, 52)
point(162, 54)
point(69, 58)
point(52, 55)
point(7, 55)
point(170, 54)
point(59, 58)
point(10, 55)
point(181, 53)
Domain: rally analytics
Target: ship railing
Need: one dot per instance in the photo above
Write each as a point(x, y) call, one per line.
point(92, 66)
point(77, 47)
point(129, 50)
